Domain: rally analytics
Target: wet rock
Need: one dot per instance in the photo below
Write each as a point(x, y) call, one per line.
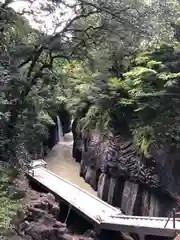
point(83, 169)
point(144, 208)
point(109, 159)
point(103, 187)
point(88, 175)
point(154, 206)
point(41, 223)
point(126, 236)
point(101, 184)
point(77, 143)
point(41, 220)
point(94, 178)
point(111, 192)
point(41, 231)
point(117, 192)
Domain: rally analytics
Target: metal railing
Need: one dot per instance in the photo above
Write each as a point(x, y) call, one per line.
point(172, 215)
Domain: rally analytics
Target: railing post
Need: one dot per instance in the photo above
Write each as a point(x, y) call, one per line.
point(168, 219)
point(174, 218)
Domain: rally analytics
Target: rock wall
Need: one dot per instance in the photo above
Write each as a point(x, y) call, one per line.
point(113, 168)
point(52, 140)
point(77, 144)
point(53, 129)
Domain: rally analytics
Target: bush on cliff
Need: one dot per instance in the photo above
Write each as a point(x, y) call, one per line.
point(145, 103)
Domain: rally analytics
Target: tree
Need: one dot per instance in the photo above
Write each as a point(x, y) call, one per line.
point(27, 99)
point(98, 36)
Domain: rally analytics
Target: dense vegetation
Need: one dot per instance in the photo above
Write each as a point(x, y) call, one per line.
point(144, 104)
point(113, 57)
point(11, 198)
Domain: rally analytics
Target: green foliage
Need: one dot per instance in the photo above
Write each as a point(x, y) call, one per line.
point(10, 198)
point(143, 138)
point(141, 60)
point(141, 103)
point(95, 119)
point(154, 65)
point(31, 93)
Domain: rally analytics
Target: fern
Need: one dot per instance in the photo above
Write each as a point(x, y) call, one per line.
point(143, 138)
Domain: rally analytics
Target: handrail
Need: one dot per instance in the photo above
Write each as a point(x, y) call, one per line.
point(173, 215)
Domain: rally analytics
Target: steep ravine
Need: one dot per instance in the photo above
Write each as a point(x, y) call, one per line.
point(113, 168)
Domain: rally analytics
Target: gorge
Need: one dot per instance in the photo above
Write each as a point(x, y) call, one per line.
point(113, 67)
point(111, 166)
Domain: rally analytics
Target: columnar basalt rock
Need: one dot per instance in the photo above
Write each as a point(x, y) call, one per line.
point(129, 197)
point(77, 144)
point(113, 167)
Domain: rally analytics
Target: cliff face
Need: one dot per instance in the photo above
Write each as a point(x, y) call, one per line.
point(52, 131)
point(139, 187)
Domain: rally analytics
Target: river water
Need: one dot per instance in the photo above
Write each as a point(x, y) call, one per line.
point(60, 162)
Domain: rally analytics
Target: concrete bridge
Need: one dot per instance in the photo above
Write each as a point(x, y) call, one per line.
point(103, 216)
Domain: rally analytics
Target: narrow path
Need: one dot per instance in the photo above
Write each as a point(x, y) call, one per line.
point(60, 162)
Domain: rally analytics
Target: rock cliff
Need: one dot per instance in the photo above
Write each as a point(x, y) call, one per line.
point(121, 177)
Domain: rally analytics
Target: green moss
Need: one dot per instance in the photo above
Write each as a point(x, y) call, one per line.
point(143, 138)
point(10, 200)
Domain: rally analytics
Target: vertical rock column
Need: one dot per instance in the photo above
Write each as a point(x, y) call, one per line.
point(129, 197)
point(118, 192)
point(154, 207)
point(144, 208)
point(111, 192)
point(103, 187)
point(83, 169)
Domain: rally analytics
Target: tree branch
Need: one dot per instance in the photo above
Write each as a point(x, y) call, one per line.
point(72, 21)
